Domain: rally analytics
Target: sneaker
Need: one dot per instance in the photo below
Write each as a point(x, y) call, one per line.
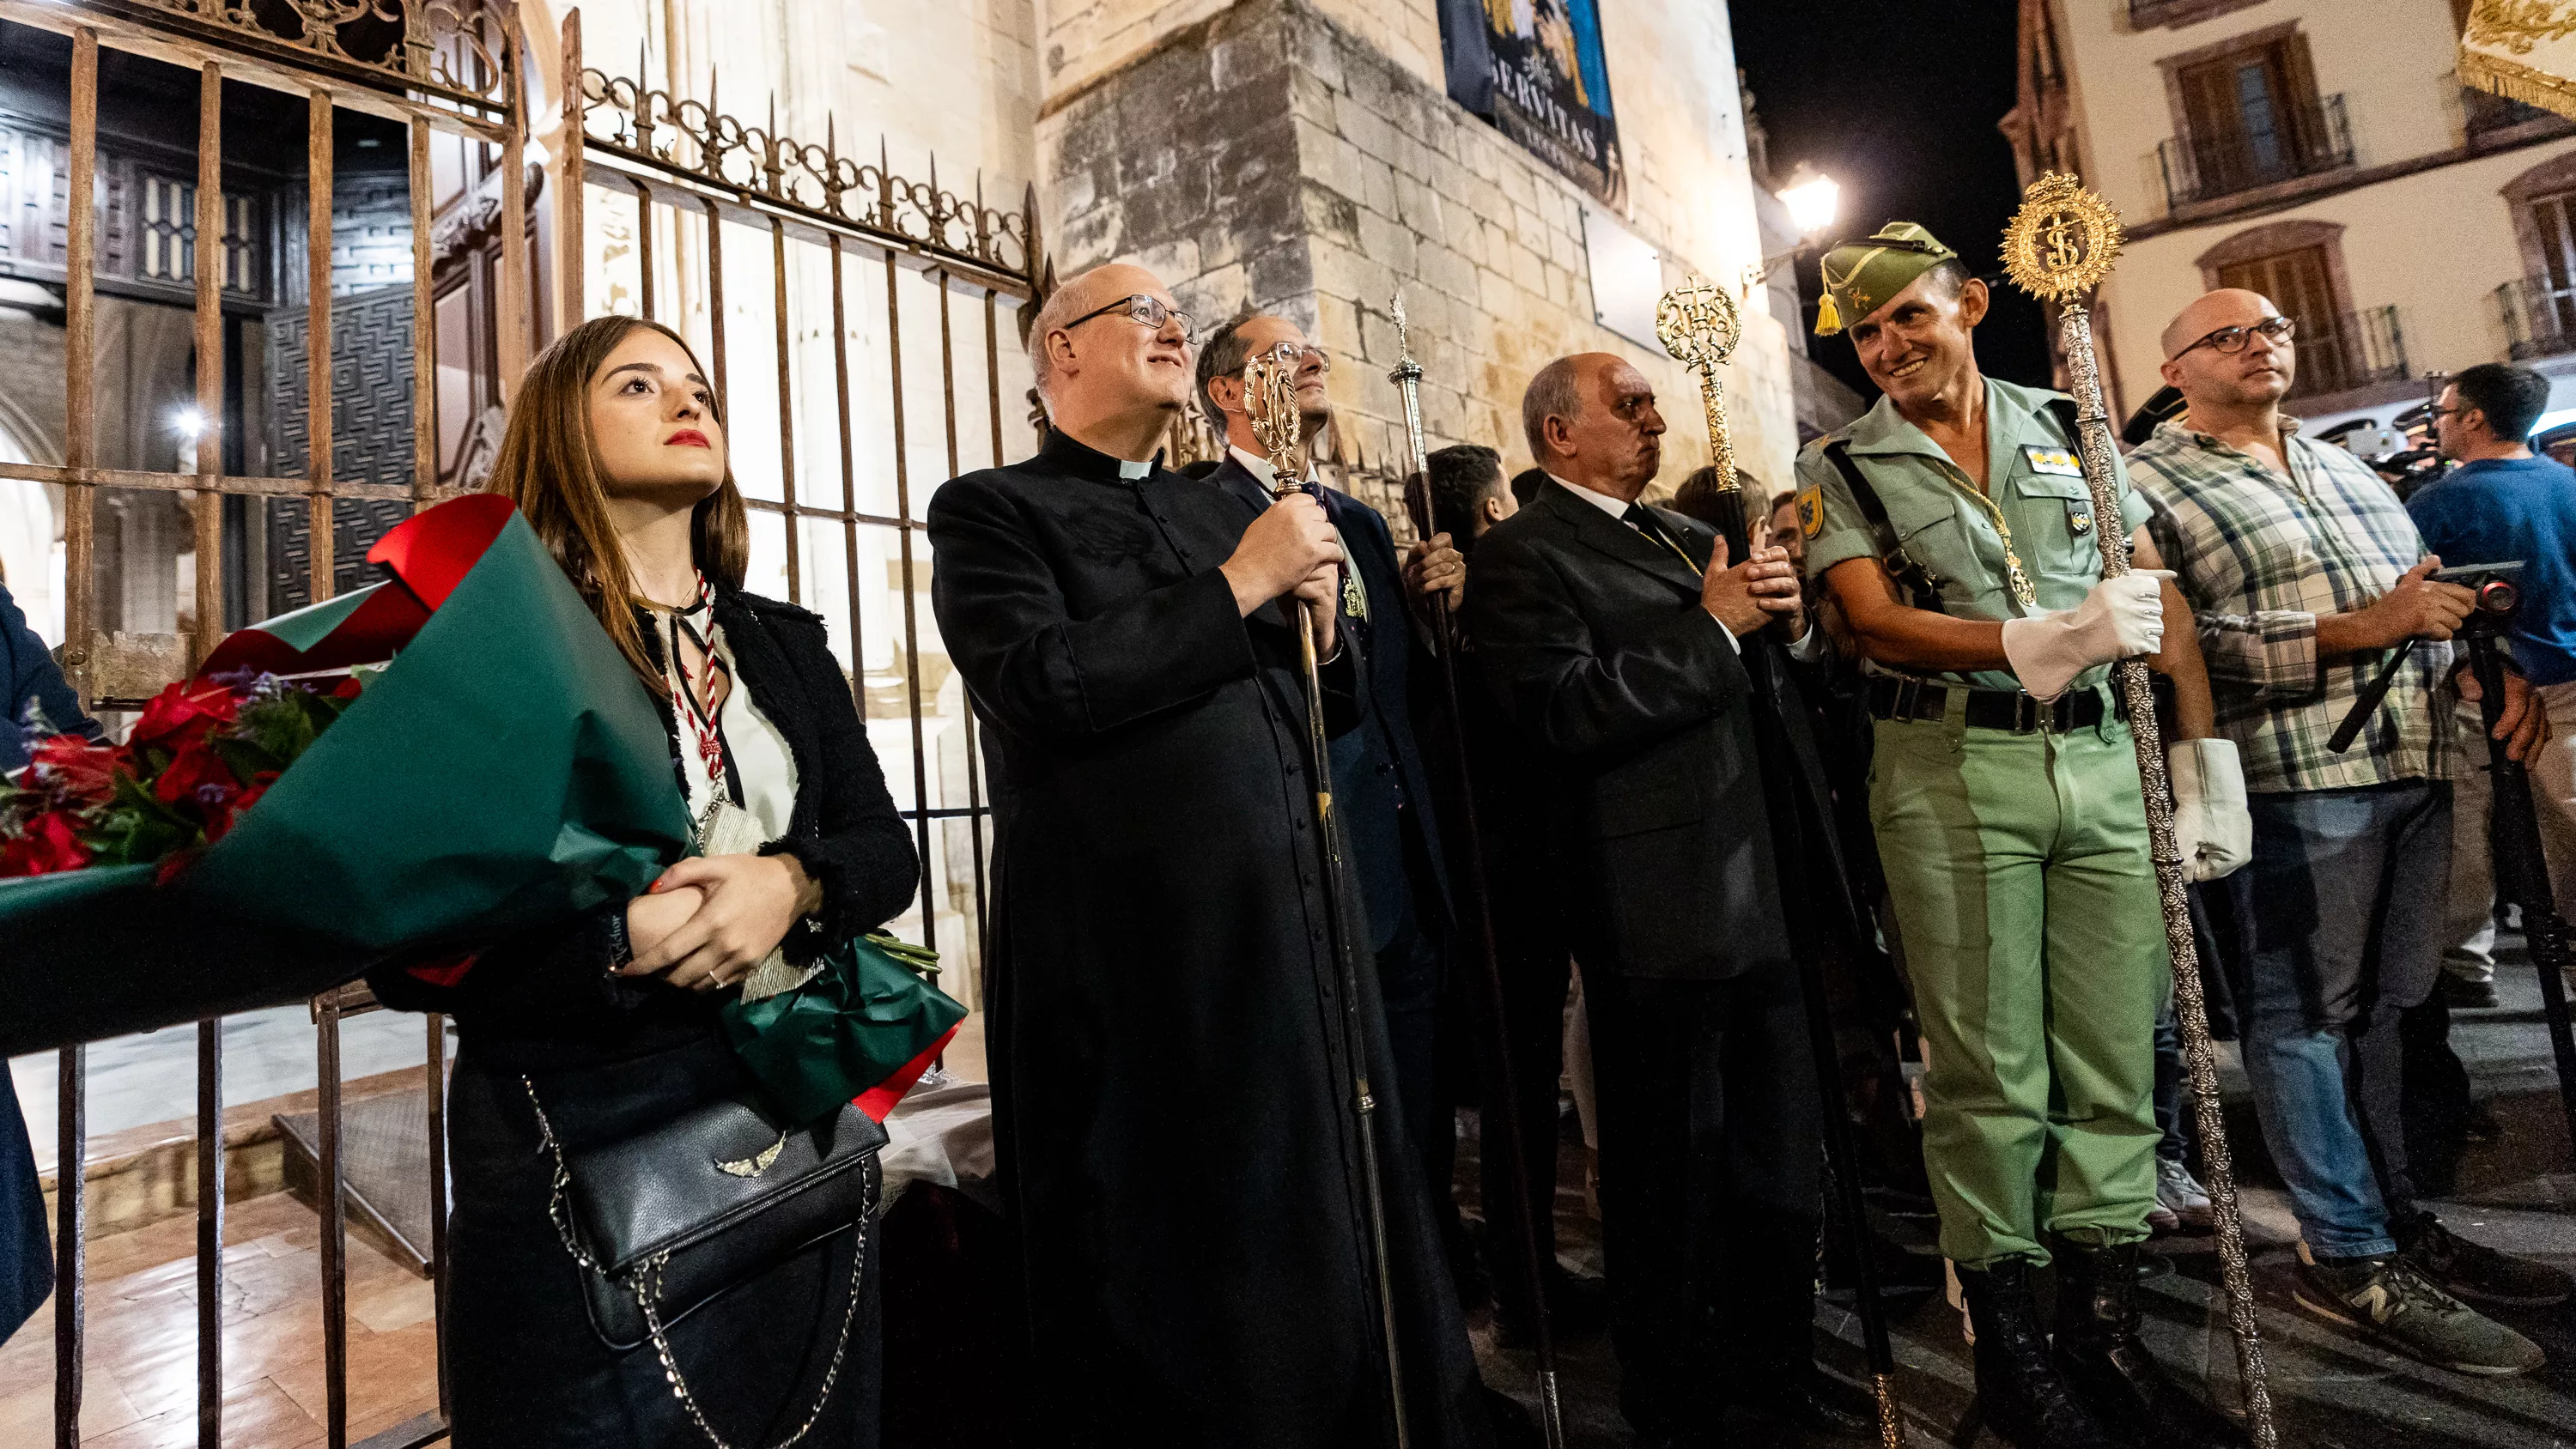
point(2479, 1273)
point(2392, 1301)
point(2181, 1198)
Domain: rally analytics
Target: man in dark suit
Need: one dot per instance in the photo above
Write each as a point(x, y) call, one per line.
point(1380, 788)
point(1643, 665)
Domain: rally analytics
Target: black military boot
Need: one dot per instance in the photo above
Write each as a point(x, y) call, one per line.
point(2025, 1401)
point(2102, 1359)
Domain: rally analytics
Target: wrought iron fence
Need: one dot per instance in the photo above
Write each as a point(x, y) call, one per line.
point(680, 200)
point(2539, 317)
point(689, 202)
point(2346, 350)
point(2225, 160)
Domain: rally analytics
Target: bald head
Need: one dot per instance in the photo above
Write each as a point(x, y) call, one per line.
point(1110, 380)
point(2243, 373)
point(2226, 307)
point(1591, 420)
point(1085, 292)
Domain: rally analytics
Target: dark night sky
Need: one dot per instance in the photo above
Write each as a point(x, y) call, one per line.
point(1898, 100)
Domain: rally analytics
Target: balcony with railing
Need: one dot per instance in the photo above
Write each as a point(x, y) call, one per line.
point(2216, 162)
point(2539, 317)
point(2341, 351)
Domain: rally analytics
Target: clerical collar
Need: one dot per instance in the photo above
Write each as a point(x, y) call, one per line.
point(1615, 507)
point(1064, 453)
point(1263, 471)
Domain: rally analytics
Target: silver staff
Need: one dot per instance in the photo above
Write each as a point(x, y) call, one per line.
point(2059, 247)
point(1270, 403)
point(1407, 377)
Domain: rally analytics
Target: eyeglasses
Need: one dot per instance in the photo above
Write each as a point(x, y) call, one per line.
point(1142, 310)
point(1299, 354)
point(2228, 341)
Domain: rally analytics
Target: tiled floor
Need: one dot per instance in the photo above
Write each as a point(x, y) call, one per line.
point(140, 1388)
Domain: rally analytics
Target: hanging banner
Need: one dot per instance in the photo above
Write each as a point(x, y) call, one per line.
point(2524, 50)
point(1534, 68)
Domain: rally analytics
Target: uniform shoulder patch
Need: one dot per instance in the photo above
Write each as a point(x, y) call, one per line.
point(2055, 461)
point(1811, 512)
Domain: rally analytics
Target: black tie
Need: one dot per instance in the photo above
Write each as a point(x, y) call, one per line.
point(1640, 518)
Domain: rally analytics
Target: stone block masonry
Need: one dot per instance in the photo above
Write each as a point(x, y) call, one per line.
point(1264, 156)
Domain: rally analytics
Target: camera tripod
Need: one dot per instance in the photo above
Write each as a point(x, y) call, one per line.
point(2513, 824)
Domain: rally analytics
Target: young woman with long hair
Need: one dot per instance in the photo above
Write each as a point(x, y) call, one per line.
point(615, 455)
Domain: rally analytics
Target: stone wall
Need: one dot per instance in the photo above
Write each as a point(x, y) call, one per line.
point(1265, 154)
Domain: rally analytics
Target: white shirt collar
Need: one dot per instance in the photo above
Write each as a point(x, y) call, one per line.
point(1128, 468)
point(1616, 508)
point(1263, 471)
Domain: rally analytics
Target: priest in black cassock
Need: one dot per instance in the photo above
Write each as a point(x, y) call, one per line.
point(1170, 1055)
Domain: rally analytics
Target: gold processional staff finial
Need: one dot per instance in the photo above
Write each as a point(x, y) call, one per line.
point(1699, 325)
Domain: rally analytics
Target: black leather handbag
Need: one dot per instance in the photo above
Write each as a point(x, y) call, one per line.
point(668, 1220)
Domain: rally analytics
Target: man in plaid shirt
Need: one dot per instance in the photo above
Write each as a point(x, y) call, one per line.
point(2303, 570)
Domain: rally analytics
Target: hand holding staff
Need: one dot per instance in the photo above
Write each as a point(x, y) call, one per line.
point(2058, 248)
point(1270, 400)
point(1699, 325)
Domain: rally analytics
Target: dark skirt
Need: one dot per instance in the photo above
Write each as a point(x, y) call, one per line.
point(527, 1371)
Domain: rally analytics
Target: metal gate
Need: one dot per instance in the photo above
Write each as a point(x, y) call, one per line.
point(843, 410)
point(670, 210)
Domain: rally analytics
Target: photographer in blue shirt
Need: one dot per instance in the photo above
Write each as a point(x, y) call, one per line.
point(2501, 504)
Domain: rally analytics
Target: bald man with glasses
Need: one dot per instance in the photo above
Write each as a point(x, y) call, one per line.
point(2302, 571)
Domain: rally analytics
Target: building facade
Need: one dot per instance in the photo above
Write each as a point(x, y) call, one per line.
point(2324, 153)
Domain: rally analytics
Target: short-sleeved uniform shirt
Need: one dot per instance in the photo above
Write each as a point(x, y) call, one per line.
point(2035, 497)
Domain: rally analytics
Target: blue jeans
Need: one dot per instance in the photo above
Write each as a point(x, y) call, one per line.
point(2343, 906)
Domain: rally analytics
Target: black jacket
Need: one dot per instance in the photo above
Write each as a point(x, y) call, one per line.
point(1379, 783)
point(844, 831)
point(1170, 1052)
point(1594, 643)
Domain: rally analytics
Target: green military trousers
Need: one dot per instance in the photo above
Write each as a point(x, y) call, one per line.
point(2033, 935)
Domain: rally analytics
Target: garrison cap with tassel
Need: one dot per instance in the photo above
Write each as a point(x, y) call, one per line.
point(1860, 276)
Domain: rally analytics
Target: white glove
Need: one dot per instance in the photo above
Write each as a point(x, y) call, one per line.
point(2211, 827)
point(2122, 617)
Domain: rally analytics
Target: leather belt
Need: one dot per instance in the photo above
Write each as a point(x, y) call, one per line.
point(1987, 709)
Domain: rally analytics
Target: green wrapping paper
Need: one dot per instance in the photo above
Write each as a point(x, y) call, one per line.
point(862, 1029)
point(501, 773)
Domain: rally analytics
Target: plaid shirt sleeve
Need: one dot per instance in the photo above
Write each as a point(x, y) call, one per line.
point(2269, 655)
point(2261, 558)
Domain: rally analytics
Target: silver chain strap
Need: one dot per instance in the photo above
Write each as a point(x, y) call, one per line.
point(646, 1284)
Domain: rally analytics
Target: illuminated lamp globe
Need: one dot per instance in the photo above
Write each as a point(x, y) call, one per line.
point(1813, 199)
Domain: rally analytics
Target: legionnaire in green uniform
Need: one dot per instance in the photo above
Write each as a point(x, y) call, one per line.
point(1953, 528)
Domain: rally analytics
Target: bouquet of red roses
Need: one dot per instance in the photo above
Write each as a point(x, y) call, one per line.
point(203, 752)
point(413, 770)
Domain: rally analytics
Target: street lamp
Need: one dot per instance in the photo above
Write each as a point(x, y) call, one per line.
point(1814, 200)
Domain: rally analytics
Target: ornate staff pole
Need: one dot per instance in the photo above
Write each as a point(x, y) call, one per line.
point(2058, 248)
point(1515, 1156)
point(1699, 325)
point(1270, 401)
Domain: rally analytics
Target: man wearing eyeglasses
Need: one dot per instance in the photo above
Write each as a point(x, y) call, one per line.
point(2302, 570)
point(1171, 1071)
